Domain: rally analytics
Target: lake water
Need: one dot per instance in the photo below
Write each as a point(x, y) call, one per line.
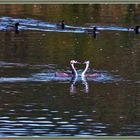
point(34, 102)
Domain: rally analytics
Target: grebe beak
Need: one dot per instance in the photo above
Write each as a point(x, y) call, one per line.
point(78, 62)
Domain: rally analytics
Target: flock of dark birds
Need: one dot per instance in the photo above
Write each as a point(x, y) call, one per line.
point(92, 31)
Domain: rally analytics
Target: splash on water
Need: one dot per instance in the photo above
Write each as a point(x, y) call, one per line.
point(45, 77)
point(47, 73)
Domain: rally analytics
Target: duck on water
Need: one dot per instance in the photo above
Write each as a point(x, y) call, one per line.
point(13, 27)
point(61, 25)
point(92, 31)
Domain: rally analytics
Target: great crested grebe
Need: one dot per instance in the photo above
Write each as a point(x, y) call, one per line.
point(85, 74)
point(73, 72)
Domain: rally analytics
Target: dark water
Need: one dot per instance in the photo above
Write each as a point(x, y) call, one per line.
point(34, 102)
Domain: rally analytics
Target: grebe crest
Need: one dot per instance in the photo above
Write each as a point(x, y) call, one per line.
point(86, 62)
point(74, 62)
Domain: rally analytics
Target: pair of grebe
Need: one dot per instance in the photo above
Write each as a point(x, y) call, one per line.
point(74, 72)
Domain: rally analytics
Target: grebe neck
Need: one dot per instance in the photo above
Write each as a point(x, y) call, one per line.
point(74, 72)
point(83, 73)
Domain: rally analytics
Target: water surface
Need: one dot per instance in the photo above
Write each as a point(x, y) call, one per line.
point(34, 102)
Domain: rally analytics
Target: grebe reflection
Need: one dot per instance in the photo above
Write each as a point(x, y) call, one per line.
point(74, 75)
point(73, 85)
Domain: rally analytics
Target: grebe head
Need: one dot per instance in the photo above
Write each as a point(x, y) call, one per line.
point(16, 24)
point(95, 28)
point(62, 24)
point(62, 21)
point(74, 62)
point(86, 62)
point(16, 27)
point(136, 29)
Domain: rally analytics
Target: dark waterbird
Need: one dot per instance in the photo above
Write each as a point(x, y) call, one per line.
point(92, 31)
point(16, 27)
point(13, 27)
point(136, 29)
point(61, 25)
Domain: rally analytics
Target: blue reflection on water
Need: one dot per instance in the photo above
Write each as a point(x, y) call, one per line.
point(38, 25)
point(51, 77)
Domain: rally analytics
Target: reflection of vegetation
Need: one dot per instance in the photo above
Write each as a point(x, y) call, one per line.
point(74, 45)
point(76, 13)
point(132, 15)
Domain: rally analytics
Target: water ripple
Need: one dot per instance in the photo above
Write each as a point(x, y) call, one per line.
point(38, 25)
